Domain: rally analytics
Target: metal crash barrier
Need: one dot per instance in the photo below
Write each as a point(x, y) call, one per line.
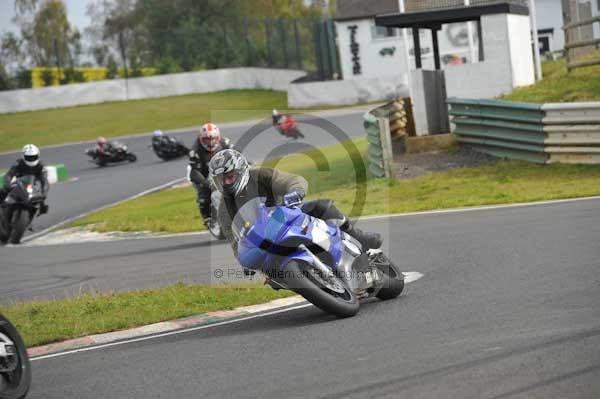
point(540, 133)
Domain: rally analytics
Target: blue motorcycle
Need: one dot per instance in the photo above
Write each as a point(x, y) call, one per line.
point(313, 258)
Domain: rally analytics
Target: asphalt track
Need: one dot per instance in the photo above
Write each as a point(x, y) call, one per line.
point(509, 307)
point(92, 187)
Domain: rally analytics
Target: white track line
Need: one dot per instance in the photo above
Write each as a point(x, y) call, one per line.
point(177, 332)
point(64, 222)
point(364, 218)
point(477, 208)
point(409, 277)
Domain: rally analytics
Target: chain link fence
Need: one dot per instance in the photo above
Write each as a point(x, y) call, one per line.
point(305, 44)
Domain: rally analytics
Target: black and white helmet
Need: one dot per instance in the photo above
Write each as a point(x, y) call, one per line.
point(31, 155)
point(229, 172)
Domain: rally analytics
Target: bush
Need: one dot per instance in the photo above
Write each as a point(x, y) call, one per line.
point(71, 75)
point(112, 70)
point(24, 79)
point(5, 81)
point(47, 77)
point(168, 65)
point(136, 69)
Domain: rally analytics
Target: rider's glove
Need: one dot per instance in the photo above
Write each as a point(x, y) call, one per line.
point(293, 198)
point(43, 209)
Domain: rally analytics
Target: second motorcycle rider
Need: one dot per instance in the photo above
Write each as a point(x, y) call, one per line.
point(209, 143)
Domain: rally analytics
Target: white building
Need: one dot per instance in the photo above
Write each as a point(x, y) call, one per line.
point(497, 59)
point(382, 49)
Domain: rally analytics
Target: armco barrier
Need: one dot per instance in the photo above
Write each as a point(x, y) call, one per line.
point(380, 146)
point(56, 173)
point(568, 133)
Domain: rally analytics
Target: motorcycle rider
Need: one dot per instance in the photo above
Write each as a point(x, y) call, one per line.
point(159, 140)
point(103, 147)
point(277, 118)
point(208, 143)
point(28, 165)
point(239, 183)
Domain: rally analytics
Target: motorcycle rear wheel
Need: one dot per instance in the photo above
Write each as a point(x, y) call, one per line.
point(297, 134)
point(15, 384)
point(3, 232)
point(299, 278)
point(21, 220)
point(393, 279)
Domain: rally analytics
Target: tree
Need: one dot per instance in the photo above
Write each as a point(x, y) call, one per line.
point(25, 6)
point(11, 53)
point(112, 70)
point(51, 34)
point(115, 30)
point(46, 32)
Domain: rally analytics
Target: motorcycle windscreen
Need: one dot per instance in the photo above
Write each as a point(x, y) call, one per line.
point(247, 227)
point(260, 230)
point(19, 193)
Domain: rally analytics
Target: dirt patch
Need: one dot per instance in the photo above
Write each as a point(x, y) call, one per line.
point(410, 166)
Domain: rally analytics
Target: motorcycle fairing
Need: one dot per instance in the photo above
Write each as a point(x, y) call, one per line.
point(275, 236)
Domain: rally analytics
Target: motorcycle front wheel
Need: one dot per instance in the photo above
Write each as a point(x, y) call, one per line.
point(331, 295)
point(21, 220)
point(15, 369)
point(131, 157)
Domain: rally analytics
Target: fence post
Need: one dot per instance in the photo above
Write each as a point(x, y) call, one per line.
point(318, 52)
point(331, 48)
point(283, 43)
point(324, 50)
point(248, 43)
point(269, 50)
point(297, 40)
point(225, 47)
point(386, 145)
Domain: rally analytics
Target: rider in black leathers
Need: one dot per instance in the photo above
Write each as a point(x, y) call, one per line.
point(28, 165)
point(162, 143)
point(209, 142)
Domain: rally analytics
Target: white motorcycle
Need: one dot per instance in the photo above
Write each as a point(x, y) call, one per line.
point(15, 369)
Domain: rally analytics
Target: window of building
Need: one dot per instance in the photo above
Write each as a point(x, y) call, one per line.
point(382, 32)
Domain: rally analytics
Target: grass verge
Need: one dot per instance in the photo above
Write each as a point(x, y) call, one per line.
point(174, 210)
point(582, 84)
point(52, 321)
point(56, 126)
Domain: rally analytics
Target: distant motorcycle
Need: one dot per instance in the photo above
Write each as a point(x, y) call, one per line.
point(21, 205)
point(288, 127)
point(313, 258)
point(168, 148)
point(118, 153)
point(15, 369)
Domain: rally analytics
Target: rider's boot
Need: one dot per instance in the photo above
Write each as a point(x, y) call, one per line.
point(367, 239)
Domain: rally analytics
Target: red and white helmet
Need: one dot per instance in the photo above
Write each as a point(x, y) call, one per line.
point(210, 136)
